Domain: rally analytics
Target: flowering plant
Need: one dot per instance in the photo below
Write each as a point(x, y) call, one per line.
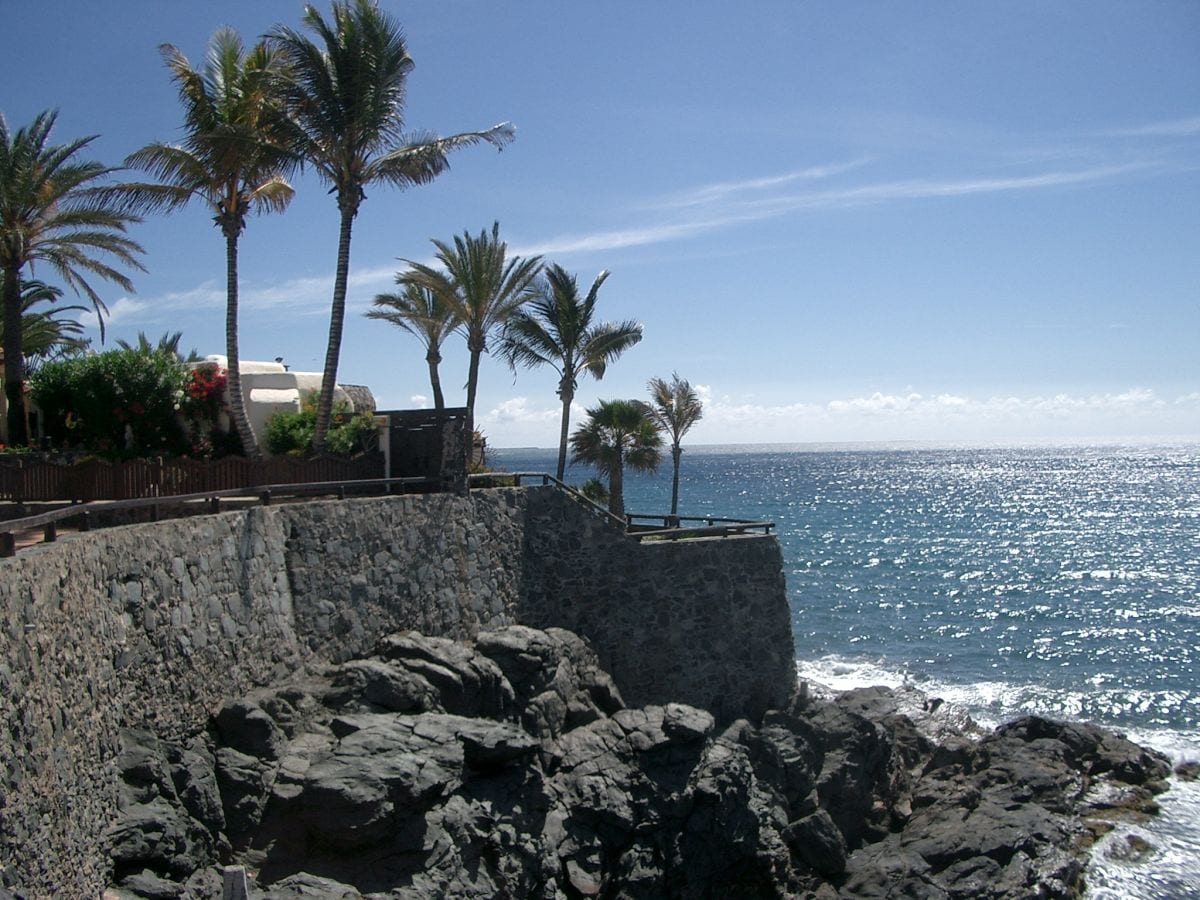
point(201, 404)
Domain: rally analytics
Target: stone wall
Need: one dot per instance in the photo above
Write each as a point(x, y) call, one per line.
point(155, 625)
point(703, 622)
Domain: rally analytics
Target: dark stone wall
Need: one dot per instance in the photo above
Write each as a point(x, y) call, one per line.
point(703, 622)
point(154, 626)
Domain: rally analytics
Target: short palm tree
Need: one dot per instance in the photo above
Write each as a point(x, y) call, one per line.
point(425, 315)
point(617, 433)
point(556, 329)
point(347, 93)
point(167, 343)
point(56, 210)
point(234, 157)
point(482, 286)
point(675, 407)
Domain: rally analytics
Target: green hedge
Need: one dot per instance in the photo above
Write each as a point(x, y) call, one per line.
point(118, 404)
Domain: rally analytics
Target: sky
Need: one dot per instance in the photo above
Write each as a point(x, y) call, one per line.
point(846, 221)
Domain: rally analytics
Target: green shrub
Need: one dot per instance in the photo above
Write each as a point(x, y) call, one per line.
point(292, 432)
point(117, 404)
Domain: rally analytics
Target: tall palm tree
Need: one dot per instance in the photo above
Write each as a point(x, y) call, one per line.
point(234, 157)
point(424, 314)
point(55, 209)
point(556, 329)
point(347, 95)
point(482, 286)
point(675, 407)
point(47, 334)
point(617, 433)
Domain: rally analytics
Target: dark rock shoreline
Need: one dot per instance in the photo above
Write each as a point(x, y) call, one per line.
point(510, 767)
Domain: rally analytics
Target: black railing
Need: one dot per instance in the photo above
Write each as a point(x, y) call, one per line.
point(673, 528)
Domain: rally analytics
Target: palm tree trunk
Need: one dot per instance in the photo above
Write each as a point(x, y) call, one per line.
point(616, 487)
point(237, 402)
point(337, 315)
point(676, 452)
point(472, 384)
point(435, 381)
point(14, 360)
point(567, 397)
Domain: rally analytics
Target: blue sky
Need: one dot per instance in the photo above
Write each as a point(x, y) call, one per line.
point(843, 221)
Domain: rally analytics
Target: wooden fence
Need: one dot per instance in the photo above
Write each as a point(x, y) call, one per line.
point(26, 481)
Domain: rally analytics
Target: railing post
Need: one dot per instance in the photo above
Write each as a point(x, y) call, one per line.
point(214, 505)
point(341, 494)
point(265, 496)
point(50, 535)
point(85, 521)
point(8, 544)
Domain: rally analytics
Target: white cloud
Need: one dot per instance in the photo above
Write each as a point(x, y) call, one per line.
point(419, 401)
point(911, 415)
point(889, 415)
point(517, 410)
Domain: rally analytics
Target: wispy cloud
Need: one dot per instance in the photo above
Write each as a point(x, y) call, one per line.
point(301, 296)
point(710, 193)
point(713, 207)
point(1186, 127)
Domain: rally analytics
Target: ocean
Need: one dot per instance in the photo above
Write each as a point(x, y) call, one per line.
point(1059, 580)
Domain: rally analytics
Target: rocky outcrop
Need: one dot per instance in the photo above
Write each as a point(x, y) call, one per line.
point(511, 767)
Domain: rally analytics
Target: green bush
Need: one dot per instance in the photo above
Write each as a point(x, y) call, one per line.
point(292, 432)
point(117, 404)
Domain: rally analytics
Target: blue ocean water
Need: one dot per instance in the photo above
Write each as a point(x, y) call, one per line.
point(1063, 580)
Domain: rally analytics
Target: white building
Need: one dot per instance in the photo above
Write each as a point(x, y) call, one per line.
point(270, 387)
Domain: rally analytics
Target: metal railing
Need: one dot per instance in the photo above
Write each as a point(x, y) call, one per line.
point(673, 528)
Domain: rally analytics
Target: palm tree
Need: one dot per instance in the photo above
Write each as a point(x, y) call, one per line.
point(617, 433)
point(234, 158)
point(556, 329)
point(167, 343)
point(347, 95)
point(482, 287)
point(424, 314)
point(55, 210)
point(45, 334)
point(675, 407)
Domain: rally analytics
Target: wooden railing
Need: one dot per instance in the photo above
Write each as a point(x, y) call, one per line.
point(38, 481)
point(84, 516)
